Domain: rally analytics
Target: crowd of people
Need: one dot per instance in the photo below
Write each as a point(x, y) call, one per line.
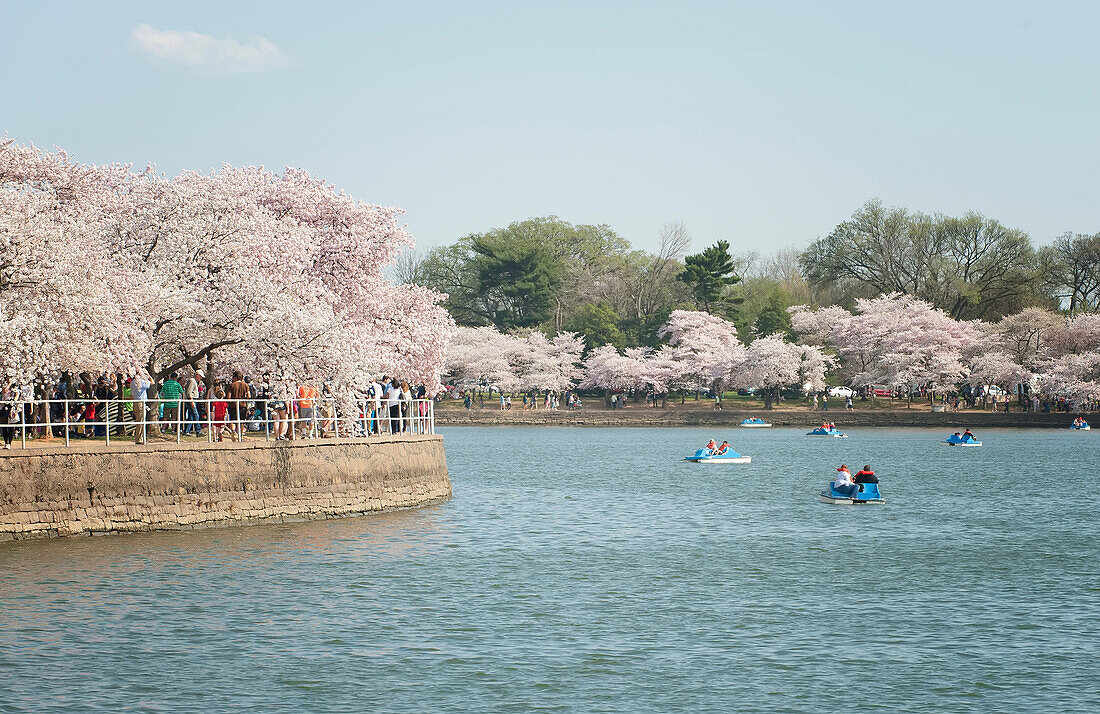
point(86, 406)
point(550, 402)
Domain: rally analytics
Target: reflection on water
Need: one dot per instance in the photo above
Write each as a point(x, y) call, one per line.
point(590, 569)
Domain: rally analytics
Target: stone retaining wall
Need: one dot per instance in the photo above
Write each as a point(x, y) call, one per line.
point(93, 489)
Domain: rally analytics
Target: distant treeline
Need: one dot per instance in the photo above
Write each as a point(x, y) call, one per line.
point(549, 274)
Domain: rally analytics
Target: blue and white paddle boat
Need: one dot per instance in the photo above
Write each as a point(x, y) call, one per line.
point(711, 456)
point(754, 422)
point(964, 440)
point(868, 495)
point(831, 431)
point(1081, 425)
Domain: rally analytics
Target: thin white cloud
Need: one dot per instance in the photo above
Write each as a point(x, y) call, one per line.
point(195, 49)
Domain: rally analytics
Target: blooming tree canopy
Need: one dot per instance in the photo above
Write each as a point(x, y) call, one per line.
point(605, 368)
point(895, 340)
point(706, 346)
point(240, 267)
point(771, 364)
point(998, 369)
point(486, 358)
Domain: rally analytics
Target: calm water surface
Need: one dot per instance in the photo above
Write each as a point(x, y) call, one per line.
point(588, 569)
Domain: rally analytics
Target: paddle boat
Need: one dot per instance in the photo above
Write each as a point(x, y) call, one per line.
point(712, 456)
point(868, 495)
point(756, 422)
point(831, 431)
point(964, 440)
point(1080, 425)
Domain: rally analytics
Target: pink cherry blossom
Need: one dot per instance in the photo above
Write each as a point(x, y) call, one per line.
point(113, 269)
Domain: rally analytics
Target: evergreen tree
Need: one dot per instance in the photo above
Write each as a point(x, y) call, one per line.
point(709, 274)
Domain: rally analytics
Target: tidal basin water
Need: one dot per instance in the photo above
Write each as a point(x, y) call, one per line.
point(592, 570)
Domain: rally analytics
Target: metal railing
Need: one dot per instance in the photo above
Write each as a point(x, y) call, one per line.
point(217, 419)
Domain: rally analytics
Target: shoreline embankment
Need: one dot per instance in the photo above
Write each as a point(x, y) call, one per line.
point(642, 416)
point(92, 489)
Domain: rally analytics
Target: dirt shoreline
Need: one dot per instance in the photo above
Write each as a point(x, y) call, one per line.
point(639, 416)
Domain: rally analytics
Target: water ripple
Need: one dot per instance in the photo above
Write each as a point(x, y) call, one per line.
point(588, 569)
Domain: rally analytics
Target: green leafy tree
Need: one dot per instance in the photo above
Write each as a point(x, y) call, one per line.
point(515, 279)
point(710, 274)
point(773, 318)
point(568, 265)
point(598, 323)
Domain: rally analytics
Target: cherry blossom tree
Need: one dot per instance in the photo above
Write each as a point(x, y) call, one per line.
point(998, 369)
point(483, 357)
point(1079, 335)
point(706, 346)
point(816, 326)
point(62, 307)
point(895, 340)
point(1068, 364)
point(550, 364)
point(662, 371)
point(241, 267)
point(1073, 376)
point(479, 358)
point(771, 364)
point(606, 369)
point(1024, 335)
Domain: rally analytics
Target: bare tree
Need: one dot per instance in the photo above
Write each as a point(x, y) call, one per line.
point(646, 285)
point(1071, 268)
point(408, 268)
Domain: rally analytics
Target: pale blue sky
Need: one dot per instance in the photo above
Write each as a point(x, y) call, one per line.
point(764, 123)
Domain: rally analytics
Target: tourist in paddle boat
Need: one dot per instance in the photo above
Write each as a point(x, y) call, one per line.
point(712, 445)
point(866, 475)
point(968, 436)
point(843, 484)
point(723, 448)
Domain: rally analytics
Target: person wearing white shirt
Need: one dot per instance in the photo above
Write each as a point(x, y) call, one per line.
point(376, 392)
point(407, 406)
point(844, 483)
point(393, 404)
point(139, 392)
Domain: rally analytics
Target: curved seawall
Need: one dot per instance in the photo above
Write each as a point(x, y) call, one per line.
point(93, 489)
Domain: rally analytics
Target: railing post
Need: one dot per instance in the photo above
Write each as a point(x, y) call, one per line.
point(179, 421)
point(65, 403)
point(108, 419)
point(267, 423)
point(22, 426)
point(335, 419)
